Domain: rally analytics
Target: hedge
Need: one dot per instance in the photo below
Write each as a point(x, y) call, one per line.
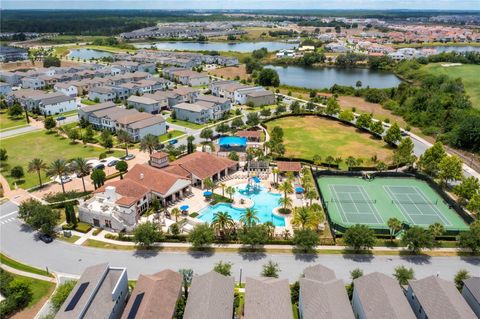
point(83, 227)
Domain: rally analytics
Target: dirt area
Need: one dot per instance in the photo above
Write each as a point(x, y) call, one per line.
point(27, 64)
point(230, 72)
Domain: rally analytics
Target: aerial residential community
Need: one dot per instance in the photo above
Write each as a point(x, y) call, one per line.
point(206, 160)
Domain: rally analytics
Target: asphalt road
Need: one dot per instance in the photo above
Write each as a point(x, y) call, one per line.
point(19, 242)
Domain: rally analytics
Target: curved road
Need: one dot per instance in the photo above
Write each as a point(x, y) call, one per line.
point(20, 243)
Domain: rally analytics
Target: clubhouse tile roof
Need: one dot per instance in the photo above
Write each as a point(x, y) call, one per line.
point(289, 166)
point(203, 165)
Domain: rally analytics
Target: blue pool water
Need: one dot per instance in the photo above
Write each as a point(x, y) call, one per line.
point(264, 203)
point(232, 141)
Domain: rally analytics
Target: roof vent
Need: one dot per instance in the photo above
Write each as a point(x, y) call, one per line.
point(141, 176)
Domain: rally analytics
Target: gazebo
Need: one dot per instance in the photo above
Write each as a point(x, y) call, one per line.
point(285, 167)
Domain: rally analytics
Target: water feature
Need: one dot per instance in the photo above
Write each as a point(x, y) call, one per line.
point(218, 46)
point(318, 78)
point(87, 54)
point(264, 203)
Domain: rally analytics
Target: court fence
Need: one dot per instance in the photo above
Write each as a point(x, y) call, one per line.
point(338, 229)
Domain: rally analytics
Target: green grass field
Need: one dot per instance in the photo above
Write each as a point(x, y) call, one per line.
point(186, 124)
point(171, 134)
point(353, 200)
point(17, 265)
point(48, 147)
point(469, 73)
point(9, 123)
point(307, 136)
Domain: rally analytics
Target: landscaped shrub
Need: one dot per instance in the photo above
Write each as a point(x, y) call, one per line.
point(68, 227)
point(60, 197)
point(216, 198)
point(83, 227)
point(111, 236)
point(193, 215)
point(96, 231)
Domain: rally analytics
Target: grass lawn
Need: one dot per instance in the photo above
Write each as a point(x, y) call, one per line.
point(22, 149)
point(171, 134)
point(70, 239)
point(17, 265)
point(8, 123)
point(469, 73)
point(307, 136)
point(88, 102)
point(186, 124)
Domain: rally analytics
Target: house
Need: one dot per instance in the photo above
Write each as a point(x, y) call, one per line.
point(322, 295)
point(216, 86)
point(379, 296)
point(159, 96)
point(246, 95)
point(5, 88)
point(191, 78)
point(85, 112)
point(471, 293)
point(433, 297)
point(144, 104)
point(194, 113)
point(155, 296)
point(102, 94)
point(57, 105)
point(34, 83)
point(210, 297)
point(10, 77)
point(139, 124)
point(66, 88)
point(187, 94)
point(220, 106)
point(118, 205)
point(267, 298)
point(101, 292)
point(8, 54)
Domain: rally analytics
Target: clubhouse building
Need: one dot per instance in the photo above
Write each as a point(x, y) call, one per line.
point(118, 205)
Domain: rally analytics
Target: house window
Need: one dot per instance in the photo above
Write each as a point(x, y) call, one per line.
point(108, 223)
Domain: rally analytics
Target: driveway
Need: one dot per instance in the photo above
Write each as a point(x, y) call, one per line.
point(19, 242)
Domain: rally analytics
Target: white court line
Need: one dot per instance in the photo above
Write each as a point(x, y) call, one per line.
point(386, 188)
point(372, 208)
point(439, 214)
point(339, 207)
point(5, 216)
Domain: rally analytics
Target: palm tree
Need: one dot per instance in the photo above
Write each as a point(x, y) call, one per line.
point(350, 161)
point(230, 191)
point(82, 169)
point(148, 143)
point(37, 165)
point(275, 172)
point(436, 229)
point(395, 226)
point(223, 186)
point(329, 159)
point(58, 167)
point(208, 183)
point(222, 222)
point(317, 161)
point(286, 188)
point(124, 137)
point(270, 227)
point(301, 217)
point(286, 202)
point(176, 212)
point(310, 194)
point(249, 218)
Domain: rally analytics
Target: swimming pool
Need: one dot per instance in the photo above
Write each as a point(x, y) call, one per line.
point(227, 141)
point(264, 203)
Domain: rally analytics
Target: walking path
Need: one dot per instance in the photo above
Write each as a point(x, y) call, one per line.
point(28, 274)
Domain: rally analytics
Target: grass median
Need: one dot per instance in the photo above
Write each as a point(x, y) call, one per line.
point(19, 266)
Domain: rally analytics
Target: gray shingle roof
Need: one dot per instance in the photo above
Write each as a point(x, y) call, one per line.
point(210, 297)
point(382, 297)
point(190, 107)
point(97, 107)
point(57, 99)
point(326, 300)
point(440, 299)
point(319, 273)
point(267, 298)
point(473, 285)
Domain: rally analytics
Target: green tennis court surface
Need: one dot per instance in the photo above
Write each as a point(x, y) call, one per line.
point(353, 200)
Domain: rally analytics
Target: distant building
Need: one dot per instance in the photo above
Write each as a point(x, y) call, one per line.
point(34, 83)
point(5, 88)
point(471, 293)
point(257, 96)
point(267, 298)
point(8, 54)
point(101, 292)
point(102, 93)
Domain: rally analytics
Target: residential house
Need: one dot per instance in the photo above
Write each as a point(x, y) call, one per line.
point(379, 296)
point(34, 83)
point(140, 124)
point(57, 104)
point(322, 295)
point(5, 88)
point(10, 77)
point(144, 104)
point(210, 297)
point(192, 112)
point(187, 94)
point(256, 95)
point(102, 94)
point(101, 292)
point(155, 296)
point(8, 54)
point(87, 112)
point(471, 293)
point(220, 106)
point(191, 78)
point(433, 297)
point(267, 298)
point(66, 88)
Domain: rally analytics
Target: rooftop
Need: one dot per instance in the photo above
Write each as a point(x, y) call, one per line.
point(267, 298)
point(289, 166)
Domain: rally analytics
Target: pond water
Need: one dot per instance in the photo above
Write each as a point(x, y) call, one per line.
point(318, 78)
point(87, 54)
point(219, 46)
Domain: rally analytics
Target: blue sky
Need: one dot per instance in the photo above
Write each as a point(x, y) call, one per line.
point(243, 4)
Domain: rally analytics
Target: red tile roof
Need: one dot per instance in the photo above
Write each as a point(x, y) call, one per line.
point(155, 179)
point(289, 166)
point(130, 191)
point(159, 155)
point(203, 165)
point(249, 134)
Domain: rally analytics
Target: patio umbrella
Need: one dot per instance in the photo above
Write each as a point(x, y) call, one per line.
point(256, 179)
point(184, 207)
point(299, 190)
point(207, 193)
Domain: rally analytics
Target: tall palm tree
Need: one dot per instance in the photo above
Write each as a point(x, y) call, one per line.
point(222, 222)
point(270, 227)
point(223, 186)
point(148, 143)
point(436, 229)
point(208, 183)
point(249, 218)
point(310, 194)
point(37, 165)
point(275, 172)
point(286, 188)
point(395, 225)
point(176, 212)
point(301, 217)
point(58, 167)
point(82, 169)
point(317, 161)
point(286, 202)
point(230, 191)
point(124, 137)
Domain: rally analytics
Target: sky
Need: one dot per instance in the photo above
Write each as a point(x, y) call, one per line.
point(243, 4)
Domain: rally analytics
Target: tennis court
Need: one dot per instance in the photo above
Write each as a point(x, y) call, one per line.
point(351, 200)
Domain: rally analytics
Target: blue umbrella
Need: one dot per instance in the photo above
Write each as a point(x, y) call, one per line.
point(207, 193)
point(256, 179)
point(299, 189)
point(184, 207)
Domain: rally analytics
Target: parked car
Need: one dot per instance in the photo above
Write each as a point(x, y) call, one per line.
point(99, 166)
point(112, 163)
point(47, 239)
point(127, 157)
point(66, 179)
point(61, 118)
point(174, 141)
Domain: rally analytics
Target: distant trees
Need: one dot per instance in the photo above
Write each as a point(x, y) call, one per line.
point(268, 77)
point(49, 123)
point(393, 134)
point(50, 61)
